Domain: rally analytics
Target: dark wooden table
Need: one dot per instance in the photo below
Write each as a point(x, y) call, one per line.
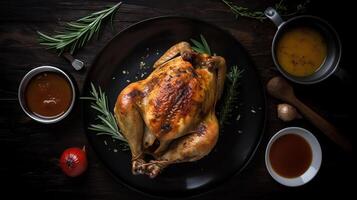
point(29, 151)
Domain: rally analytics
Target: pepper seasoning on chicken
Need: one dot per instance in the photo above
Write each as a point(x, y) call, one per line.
point(171, 114)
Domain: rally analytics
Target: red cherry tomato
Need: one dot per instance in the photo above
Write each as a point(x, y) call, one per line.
point(73, 161)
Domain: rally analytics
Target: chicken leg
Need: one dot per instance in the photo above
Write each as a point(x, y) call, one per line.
point(188, 148)
point(131, 125)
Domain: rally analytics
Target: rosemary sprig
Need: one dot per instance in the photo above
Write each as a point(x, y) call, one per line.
point(231, 96)
point(201, 47)
point(78, 33)
point(280, 7)
point(107, 124)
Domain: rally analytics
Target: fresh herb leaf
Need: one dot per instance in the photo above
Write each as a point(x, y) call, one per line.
point(280, 7)
point(231, 96)
point(201, 47)
point(106, 121)
point(205, 44)
point(241, 11)
point(79, 32)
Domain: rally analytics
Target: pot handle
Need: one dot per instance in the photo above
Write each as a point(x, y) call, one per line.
point(274, 16)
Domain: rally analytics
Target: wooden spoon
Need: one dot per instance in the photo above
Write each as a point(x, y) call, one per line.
point(281, 89)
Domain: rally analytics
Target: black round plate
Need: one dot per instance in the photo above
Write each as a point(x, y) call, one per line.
point(135, 50)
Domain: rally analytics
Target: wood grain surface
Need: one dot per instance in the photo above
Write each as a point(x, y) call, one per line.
point(29, 151)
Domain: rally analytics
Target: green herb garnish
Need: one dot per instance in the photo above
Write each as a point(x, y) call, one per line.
point(79, 32)
point(231, 96)
point(107, 124)
point(280, 7)
point(201, 47)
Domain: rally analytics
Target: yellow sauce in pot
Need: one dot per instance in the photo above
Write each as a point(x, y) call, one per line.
point(301, 51)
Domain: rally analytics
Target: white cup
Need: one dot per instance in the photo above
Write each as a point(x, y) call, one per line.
point(315, 163)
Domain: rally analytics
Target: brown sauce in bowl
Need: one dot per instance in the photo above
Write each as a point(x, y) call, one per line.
point(48, 95)
point(290, 155)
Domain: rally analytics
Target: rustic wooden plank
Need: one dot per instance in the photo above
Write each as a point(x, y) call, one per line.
point(29, 150)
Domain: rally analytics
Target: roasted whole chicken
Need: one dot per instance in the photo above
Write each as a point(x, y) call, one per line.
point(171, 114)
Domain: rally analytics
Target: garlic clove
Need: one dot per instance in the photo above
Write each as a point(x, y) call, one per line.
point(287, 112)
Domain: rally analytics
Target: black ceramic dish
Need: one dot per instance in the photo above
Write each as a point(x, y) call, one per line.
point(145, 42)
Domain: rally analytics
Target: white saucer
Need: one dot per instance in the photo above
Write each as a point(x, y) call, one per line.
point(315, 163)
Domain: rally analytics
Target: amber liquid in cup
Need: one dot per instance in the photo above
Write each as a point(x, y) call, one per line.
point(290, 155)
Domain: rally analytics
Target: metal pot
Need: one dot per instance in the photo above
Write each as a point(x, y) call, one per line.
point(330, 65)
point(23, 85)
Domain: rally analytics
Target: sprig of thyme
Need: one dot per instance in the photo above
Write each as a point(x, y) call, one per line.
point(231, 96)
point(241, 11)
point(107, 124)
point(201, 47)
point(78, 33)
point(280, 7)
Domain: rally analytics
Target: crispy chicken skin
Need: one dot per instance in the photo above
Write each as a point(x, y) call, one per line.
point(171, 114)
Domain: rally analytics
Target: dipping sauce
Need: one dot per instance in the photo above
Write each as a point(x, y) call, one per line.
point(290, 155)
point(48, 95)
point(301, 51)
